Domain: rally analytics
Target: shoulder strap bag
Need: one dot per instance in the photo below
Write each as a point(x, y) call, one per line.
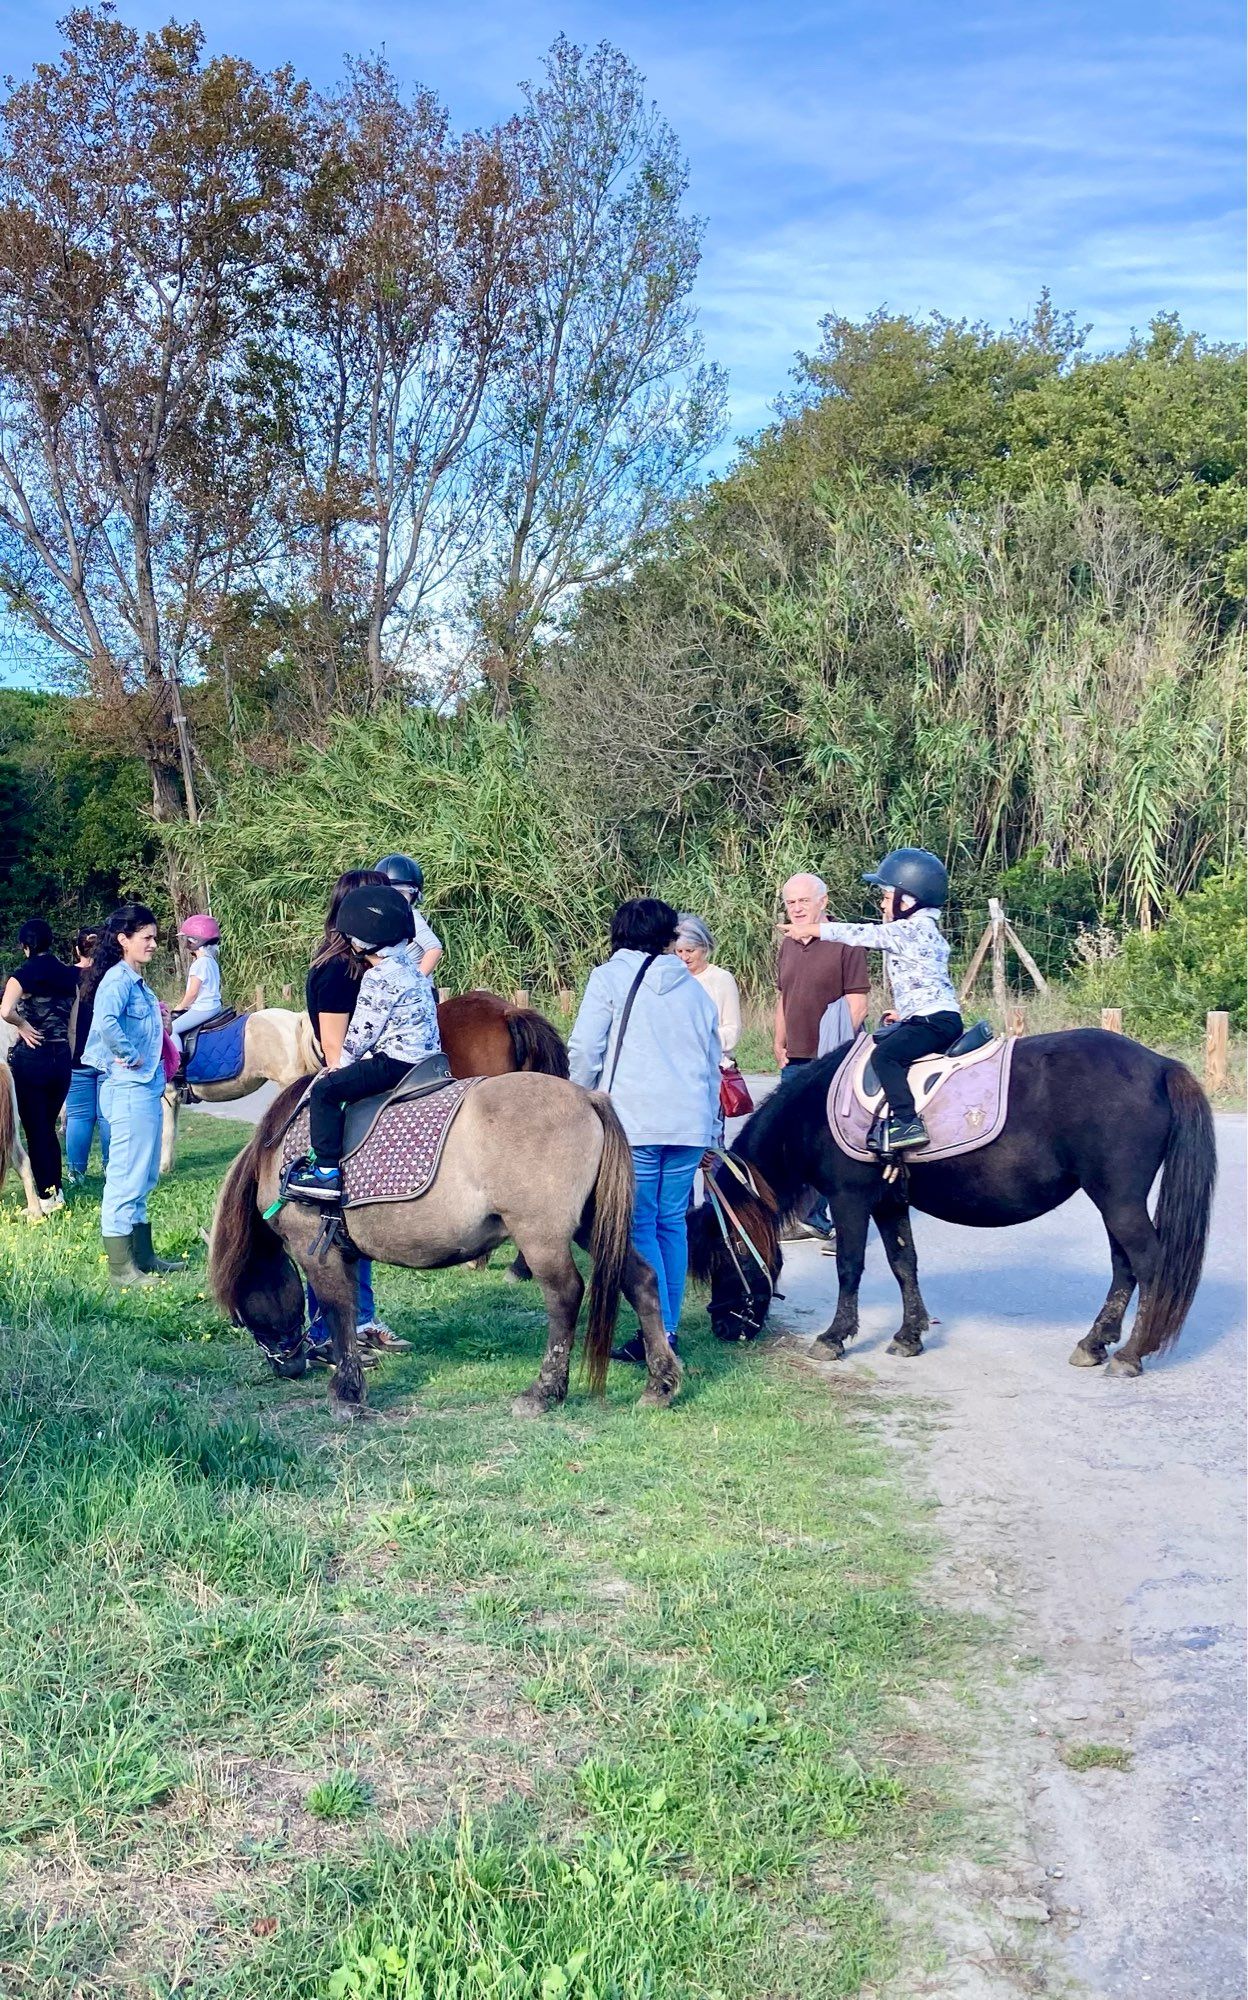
point(633, 991)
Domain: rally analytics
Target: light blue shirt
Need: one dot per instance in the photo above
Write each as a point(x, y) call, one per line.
point(666, 1086)
point(127, 1033)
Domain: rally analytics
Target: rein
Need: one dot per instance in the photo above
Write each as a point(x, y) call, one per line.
point(725, 1213)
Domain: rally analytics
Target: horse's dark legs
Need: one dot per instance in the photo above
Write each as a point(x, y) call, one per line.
point(562, 1288)
point(892, 1219)
point(663, 1368)
point(1132, 1227)
point(851, 1212)
point(337, 1293)
point(1107, 1326)
point(517, 1271)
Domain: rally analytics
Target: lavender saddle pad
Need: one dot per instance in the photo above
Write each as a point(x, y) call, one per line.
point(398, 1158)
point(962, 1100)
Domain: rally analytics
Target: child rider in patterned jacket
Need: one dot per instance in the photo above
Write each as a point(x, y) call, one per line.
point(927, 1017)
point(394, 1026)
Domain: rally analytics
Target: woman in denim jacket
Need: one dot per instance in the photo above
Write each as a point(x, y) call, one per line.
point(124, 1045)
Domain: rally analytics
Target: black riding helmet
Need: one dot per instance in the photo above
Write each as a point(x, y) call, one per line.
point(916, 873)
point(404, 874)
point(375, 917)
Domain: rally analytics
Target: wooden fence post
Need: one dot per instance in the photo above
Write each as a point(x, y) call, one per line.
point(519, 998)
point(1017, 1023)
point(565, 999)
point(260, 999)
point(1216, 1029)
point(285, 992)
point(996, 917)
point(1111, 1019)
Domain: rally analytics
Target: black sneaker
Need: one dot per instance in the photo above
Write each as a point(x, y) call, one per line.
point(634, 1350)
point(306, 1181)
point(905, 1134)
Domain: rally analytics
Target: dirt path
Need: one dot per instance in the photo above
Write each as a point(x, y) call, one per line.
point(1105, 1519)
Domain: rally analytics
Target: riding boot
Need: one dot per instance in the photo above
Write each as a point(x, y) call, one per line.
point(122, 1269)
point(144, 1255)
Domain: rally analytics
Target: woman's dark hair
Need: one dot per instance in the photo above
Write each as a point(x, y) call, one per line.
point(86, 941)
point(131, 917)
point(333, 944)
point(36, 934)
point(645, 924)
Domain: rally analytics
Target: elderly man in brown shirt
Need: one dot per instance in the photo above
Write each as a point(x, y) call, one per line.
point(811, 972)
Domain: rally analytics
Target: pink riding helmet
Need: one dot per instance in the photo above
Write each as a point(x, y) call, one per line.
point(201, 930)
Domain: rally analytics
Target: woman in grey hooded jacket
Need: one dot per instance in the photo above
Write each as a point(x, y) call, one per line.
point(662, 1077)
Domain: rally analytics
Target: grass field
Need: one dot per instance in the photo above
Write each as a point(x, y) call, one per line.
point(450, 1705)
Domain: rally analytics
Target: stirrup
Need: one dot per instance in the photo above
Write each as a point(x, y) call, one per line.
point(291, 1188)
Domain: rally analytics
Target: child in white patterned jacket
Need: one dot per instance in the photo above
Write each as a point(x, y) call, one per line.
point(927, 1016)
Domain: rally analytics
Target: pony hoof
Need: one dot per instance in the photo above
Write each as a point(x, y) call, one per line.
point(1087, 1357)
point(1120, 1365)
point(531, 1405)
point(658, 1395)
point(832, 1345)
point(348, 1413)
point(908, 1348)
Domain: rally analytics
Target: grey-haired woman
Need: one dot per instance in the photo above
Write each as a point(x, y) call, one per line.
point(696, 945)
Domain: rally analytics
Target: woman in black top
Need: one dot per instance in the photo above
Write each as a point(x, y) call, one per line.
point(333, 987)
point(38, 1001)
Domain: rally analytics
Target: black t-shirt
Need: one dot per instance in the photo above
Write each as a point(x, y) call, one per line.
point(49, 989)
point(330, 990)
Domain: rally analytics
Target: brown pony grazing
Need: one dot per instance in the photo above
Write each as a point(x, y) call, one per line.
point(528, 1157)
point(484, 1035)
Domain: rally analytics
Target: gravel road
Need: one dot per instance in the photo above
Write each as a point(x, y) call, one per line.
point(1105, 1519)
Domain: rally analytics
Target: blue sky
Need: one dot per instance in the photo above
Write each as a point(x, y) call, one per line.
point(919, 156)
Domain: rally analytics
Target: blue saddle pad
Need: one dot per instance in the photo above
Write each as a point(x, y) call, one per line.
point(218, 1053)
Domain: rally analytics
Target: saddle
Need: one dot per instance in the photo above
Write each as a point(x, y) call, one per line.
point(962, 1096)
point(220, 1059)
point(393, 1142)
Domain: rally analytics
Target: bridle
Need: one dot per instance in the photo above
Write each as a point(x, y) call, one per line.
point(730, 1223)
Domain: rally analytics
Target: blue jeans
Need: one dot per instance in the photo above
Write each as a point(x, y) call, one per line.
point(133, 1115)
point(664, 1184)
point(318, 1332)
point(82, 1115)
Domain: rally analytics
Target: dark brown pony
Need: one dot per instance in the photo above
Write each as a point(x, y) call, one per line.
point(1087, 1110)
point(484, 1035)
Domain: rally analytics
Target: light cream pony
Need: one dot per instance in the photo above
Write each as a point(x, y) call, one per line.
point(278, 1047)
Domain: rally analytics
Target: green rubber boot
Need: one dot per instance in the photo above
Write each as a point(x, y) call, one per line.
point(122, 1269)
point(145, 1257)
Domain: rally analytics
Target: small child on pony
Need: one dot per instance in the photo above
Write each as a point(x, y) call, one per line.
point(393, 1027)
point(927, 1017)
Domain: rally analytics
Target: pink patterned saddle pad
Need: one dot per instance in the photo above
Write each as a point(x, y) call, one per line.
point(399, 1156)
point(962, 1100)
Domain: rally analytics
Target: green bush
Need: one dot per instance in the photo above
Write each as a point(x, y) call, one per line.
point(1167, 980)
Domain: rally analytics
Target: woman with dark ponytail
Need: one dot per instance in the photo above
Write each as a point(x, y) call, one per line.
point(125, 1045)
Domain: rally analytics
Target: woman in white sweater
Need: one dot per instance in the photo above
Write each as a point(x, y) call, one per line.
point(696, 946)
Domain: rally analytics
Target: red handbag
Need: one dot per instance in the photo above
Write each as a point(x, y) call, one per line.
point(734, 1093)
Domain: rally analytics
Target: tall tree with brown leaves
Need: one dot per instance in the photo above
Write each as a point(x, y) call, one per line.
point(142, 191)
point(401, 288)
